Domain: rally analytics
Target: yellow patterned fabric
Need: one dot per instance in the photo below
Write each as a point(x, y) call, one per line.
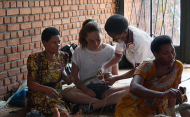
point(133, 106)
point(46, 72)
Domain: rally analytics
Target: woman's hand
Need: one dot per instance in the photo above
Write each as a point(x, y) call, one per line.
point(105, 75)
point(68, 80)
point(171, 93)
point(100, 71)
point(90, 92)
point(108, 79)
point(51, 92)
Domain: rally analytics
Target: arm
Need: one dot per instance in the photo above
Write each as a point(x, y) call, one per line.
point(171, 102)
point(115, 69)
point(41, 88)
point(128, 74)
point(35, 86)
point(112, 80)
point(113, 61)
point(137, 88)
point(67, 79)
point(74, 74)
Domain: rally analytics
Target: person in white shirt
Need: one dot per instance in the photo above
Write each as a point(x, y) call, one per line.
point(133, 42)
point(86, 60)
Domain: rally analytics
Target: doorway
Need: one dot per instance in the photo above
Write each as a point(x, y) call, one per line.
point(161, 17)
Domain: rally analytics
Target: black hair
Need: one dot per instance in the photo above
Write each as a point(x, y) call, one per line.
point(88, 26)
point(48, 33)
point(116, 24)
point(159, 41)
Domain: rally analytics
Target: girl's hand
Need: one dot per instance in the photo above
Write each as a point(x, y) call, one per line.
point(109, 81)
point(90, 93)
point(100, 71)
point(171, 93)
point(105, 75)
point(51, 92)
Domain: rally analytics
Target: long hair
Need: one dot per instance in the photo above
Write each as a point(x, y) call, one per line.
point(88, 26)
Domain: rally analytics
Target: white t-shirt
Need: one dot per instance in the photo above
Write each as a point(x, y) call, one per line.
point(139, 50)
point(89, 62)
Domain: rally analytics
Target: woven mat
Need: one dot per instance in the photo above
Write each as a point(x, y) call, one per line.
point(21, 112)
point(12, 111)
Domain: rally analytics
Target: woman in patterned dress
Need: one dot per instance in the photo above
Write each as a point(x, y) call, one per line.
point(154, 86)
point(45, 72)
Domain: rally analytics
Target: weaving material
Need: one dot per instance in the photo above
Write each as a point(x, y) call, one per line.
point(23, 86)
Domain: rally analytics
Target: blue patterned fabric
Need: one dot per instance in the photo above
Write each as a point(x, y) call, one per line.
point(19, 98)
point(35, 113)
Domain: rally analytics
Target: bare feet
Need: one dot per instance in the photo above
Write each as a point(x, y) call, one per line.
point(63, 114)
point(56, 113)
point(79, 114)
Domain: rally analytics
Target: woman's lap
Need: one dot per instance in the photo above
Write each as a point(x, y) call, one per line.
point(41, 102)
point(99, 89)
point(129, 112)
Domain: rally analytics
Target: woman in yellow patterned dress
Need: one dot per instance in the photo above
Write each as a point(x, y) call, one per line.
point(155, 82)
point(45, 72)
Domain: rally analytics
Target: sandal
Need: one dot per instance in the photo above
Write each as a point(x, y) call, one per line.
point(183, 97)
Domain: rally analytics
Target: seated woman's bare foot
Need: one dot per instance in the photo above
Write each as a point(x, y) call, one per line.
point(56, 113)
point(63, 114)
point(79, 114)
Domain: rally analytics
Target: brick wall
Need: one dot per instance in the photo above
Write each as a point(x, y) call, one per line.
point(21, 24)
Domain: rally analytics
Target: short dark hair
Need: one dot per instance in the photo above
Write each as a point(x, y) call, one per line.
point(116, 24)
point(159, 41)
point(48, 33)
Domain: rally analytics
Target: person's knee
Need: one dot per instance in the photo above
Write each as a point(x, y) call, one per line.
point(185, 104)
point(185, 113)
point(127, 87)
point(95, 100)
point(121, 88)
point(67, 93)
